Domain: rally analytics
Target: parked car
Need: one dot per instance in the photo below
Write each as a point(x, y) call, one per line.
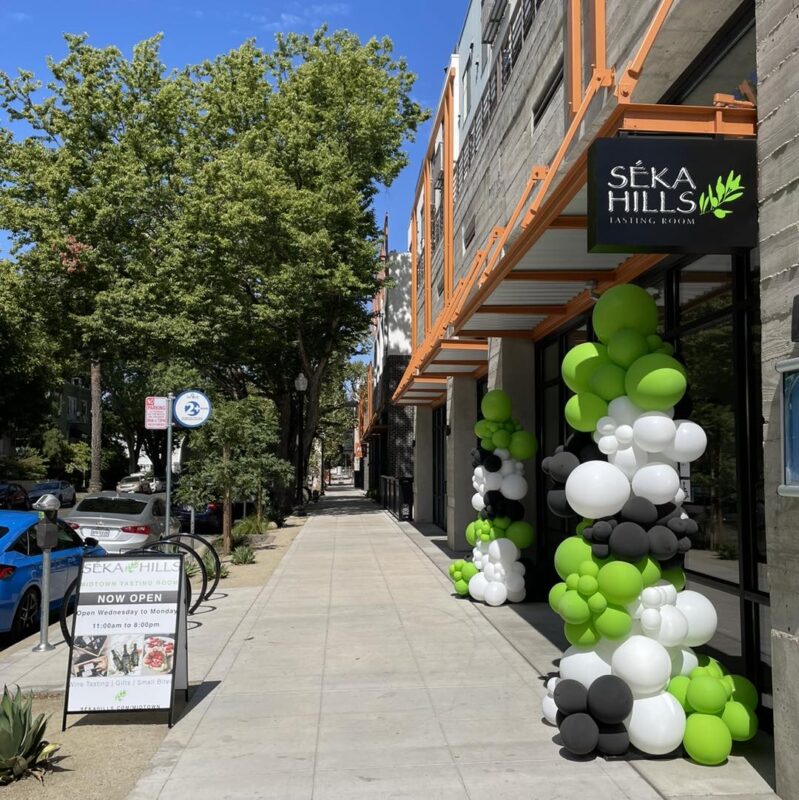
point(157, 485)
point(207, 519)
point(121, 522)
point(13, 497)
point(63, 490)
point(21, 569)
point(134, 483)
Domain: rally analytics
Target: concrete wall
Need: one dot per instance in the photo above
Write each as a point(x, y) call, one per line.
point(778, 156)
point(461, 416)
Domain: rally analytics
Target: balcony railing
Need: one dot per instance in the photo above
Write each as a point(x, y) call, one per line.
point(420, 269)
point(437, 227)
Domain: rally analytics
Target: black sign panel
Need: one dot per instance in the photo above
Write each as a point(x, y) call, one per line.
point(664, 195)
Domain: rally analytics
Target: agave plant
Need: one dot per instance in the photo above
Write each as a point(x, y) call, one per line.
point(22, 746)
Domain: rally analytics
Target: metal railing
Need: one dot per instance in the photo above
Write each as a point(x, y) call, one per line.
point(396, 496)
point(437, 227)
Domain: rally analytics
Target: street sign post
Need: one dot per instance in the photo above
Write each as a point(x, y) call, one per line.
point(156, 413)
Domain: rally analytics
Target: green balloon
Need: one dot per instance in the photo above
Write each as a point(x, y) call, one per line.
point(584, 410)
point(493, 426)
point(462, 587)
point(650, 571)
point(571, 552)
point(496, 406)
point(713, 667)
point(614, 622)
point(624, 306)
point(587, 585)
point(482, 429)
point(607, 382)
point(744, 691)
point(620, 582)
point(653, 342)
point(597, 603)
point(521, 534)
point(700, 672)
point(523, 445)
point(583, 634)
point(469, 571)
point(678, 686)
point(667, 349)
point(707, 695)
point(675, 576)
point(471, 534)
point(582, 525)
point(588, 568)
point(741, 721)
point(580, 362)
point(573, 608)
point(503, 523)
point(487, 444)
point(573, 581)
point(555, 593)
point(655, 382)
point(707, 739)
point(501, 438)
point(626, 346)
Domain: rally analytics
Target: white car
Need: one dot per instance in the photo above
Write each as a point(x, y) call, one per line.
point(157, 484)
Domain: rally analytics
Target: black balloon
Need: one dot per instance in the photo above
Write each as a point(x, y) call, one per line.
point(601, 530)
point(570, 696)
point(600, 550)
point(684, 545)
point(613, 740)
point(580, 734)
point(629, 542)
point(513, 509)
point(662, 543)
point(610, 699)
point(561, 465)
point(640, 510)
point(492, 463)
point(558, 504)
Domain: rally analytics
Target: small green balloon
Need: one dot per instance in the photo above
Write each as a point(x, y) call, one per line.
point(584, 410)
point(607, 382)
point(675, 576)
point(580, 362)
point(614, 622)
point(678, 686)
point(597, 603)
point(624, 306)
point(707, 739)
point(571, 552)
point(666, 349)
point(482, 429)
point(713, 667)
point(471, 534)
point(487, 444)
point(620, 582)
point(653, 341)
point(496, 406)
point(521, 534)
point(583, 634)
point(555, 593)
point(522, 445)
point(741, 721)
point(650, 571)
point(573, 581)
point(451, 569)
point(588, 568)
point(493, 427)
point(582, 525)
point(587, 585)
point(707, 695)
point(573, 608)
point(744, 691)
point(503, 523)
point(626, 346)
point(462, 587)
point(501, 438)
point(469, 571)
point(655, 382)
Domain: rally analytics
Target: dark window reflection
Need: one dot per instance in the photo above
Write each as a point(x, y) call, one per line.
point(705, 288)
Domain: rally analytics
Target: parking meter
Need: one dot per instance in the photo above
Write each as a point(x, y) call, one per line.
point(46, 539)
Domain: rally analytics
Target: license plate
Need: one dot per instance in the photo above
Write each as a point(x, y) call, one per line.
point(102, 533)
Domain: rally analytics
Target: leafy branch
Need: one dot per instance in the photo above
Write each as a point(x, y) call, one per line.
point(711, 202)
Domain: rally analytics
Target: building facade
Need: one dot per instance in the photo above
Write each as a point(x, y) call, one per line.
point(505, 272)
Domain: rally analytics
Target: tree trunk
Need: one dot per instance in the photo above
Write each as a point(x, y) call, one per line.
point(133, 453)
point(259, 505)
point(95, 477)
point(227, 506)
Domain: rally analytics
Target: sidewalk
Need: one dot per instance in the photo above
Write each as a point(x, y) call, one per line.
point(357, 674)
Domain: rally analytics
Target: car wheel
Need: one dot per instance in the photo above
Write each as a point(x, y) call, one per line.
point(26, 617)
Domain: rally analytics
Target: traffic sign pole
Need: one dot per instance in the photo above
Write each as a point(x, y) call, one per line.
point(168, 515)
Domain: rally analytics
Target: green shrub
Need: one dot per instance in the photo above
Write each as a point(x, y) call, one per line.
point(243, 555)
point(210, 568)
point(727, 551)
point(191, 567)
point(250, 526)
point(23, 749)
point(277, 515)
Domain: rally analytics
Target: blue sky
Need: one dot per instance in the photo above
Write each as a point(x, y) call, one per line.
point(424, 32)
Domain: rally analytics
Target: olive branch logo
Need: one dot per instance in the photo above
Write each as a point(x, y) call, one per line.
point(120, 696)
point(711, 202)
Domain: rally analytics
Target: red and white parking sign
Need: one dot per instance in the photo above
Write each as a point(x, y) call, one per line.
point(156, 413)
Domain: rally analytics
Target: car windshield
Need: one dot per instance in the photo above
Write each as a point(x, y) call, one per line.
point(131, 478)
point(111, 505)
point(53, 485)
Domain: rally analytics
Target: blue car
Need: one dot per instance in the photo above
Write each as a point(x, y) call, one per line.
point(21, 569)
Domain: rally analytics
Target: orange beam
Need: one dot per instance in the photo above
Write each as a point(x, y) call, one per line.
point(428, 255)
point(522, 310)
point(629, 79)
point(574, 56)
point(504, 334)
point(570, 222)
point(600, 42)
point(449, 181)
point(414, 287)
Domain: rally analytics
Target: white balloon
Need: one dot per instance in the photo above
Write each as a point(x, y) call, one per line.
point(689, 442)
point(478, 504)
point(608, 444)
point(507, 468)
point(514, 582)
point(489, 570)
point(701, 616)
point(551, 684)
point(503, 550)
point(549, 710)
point(514, 487)
point(679, 497)
point(656, 482)
point(629, 460)
point(606, 426)
point(519, 467)
point(584, 665)
point(502, 453)
point(477, 586)
point(597, 489)
point(479, 474)
point(666, 625)
point(623, 410)
point(656, 724)
point(493, 481)
point(624, 435)
point(517, 595)
point(495, 593)
point(683, 661)
point(653, 431)
point(518, 567)
point(643, 664)
point(596, 436)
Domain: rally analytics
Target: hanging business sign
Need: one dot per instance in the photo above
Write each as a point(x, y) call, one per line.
point(664, 195)
point(192, 409)
point(128, 648)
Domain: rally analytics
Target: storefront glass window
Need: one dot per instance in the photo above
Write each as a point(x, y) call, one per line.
point(705, 287)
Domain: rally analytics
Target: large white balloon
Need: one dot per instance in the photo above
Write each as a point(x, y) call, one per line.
point(689, 442)
point(623, 410)
point(629, 460)
point(514, 583)
point(495, 593)
point(514, 487)
point(478, 504)
point(683, 660)
point(656, 482)
point(643, 664)
point(584, 665)
point(656, 724)
point(493, 481)
point(477, 586)
point(701, 616)
point(666, 624)
point(597, 489)
point(503, 550)
point(517, 595)
point(653, 431)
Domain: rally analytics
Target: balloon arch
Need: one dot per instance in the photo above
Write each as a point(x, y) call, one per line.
point(631, 676)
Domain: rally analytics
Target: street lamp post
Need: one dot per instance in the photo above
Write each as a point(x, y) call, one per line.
point(301, 385)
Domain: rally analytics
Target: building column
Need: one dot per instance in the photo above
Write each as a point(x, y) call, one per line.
point(778, 157)
point(423, 464)
point(461, 416)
